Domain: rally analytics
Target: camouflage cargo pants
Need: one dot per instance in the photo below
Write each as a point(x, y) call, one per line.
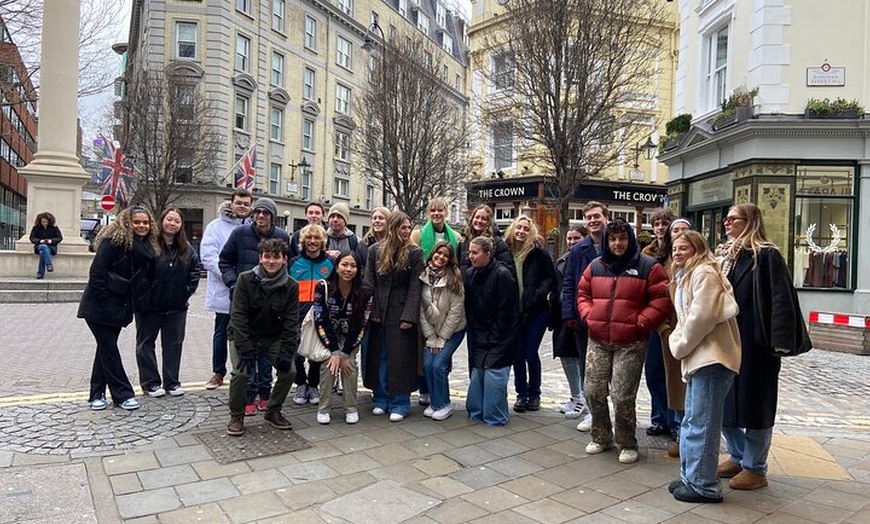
point(614, 370)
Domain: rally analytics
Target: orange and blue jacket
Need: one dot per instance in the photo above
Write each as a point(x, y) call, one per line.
point(308, 272)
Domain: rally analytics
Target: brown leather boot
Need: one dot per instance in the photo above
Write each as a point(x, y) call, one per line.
point(674, 449)
point(747, 480)
point(728, 469)
point(277, 419)
point(236, 427)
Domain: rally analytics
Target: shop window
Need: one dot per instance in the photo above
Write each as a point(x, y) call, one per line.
point(823, 227)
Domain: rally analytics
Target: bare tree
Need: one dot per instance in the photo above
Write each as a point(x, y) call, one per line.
point(171, 133)
point(573, 82)
point(411, 132)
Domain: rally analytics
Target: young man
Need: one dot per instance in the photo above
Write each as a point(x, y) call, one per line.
point(339, 237)
point(582, 254)
point(307, 269)
point(314, 214)
point(623, 295)
point(241, 254)
point(435, 229)
point(231, 215)
point(264, 325)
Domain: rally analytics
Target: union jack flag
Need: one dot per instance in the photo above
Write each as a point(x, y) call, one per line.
point(116, 172)
point(245, 173)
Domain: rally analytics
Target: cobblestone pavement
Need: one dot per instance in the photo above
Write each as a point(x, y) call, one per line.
point(60, 462)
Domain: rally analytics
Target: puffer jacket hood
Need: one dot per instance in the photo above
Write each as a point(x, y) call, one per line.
point(619, 263)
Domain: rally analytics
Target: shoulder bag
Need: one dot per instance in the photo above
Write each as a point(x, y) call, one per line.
point(310, 345)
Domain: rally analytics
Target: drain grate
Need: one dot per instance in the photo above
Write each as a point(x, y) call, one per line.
point(258, 441)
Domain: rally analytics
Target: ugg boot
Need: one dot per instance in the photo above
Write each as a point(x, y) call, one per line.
point(747, 480)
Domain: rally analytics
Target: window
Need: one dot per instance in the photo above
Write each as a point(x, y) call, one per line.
point(310, 39)
point(276, 124)
point(346, 6)
point(342, 99)
point(243, 52)
point(457, 81)
point(717, 67)
point(244, 6)
point(241, 122)
point(422, 22)
point(427, 59)
point(185, 40)
point(503, 144)
point(445, 72)
point(184, 98)
point(279, 8)
point(308, 83)
point(277, 69)
point(824, 235)
point(392, 32)
point(341, 181)
point(441, 15)
point(308, 134)
point(274, 178)
point(447, 43)
point(403, 7)
point(503, 70)
point(344, 53)
point(370, 196)
point(375, 18)
point(628, 216)
point(305, 184)
point(342, 146)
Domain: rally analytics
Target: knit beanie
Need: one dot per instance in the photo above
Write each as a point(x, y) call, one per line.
point(268, 204)
point(340, 209)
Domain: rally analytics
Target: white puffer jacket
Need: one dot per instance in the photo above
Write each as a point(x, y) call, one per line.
point(217, 295)
point(442, 313)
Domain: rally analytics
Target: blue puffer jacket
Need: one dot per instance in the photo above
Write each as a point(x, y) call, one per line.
point(579, 257)
point(240, 253)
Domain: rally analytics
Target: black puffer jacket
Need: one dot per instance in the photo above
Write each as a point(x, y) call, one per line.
point(240, 253)
point(502, 254)
point(492, 316)
point(539, 280)
point(117, 275)
point(174, 281)
point(51, 232)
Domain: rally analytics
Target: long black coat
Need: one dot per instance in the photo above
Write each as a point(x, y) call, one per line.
point(117, 276)
point(396, 300)
point(174, 281)
point(492, 316)
point(567, 343)
point(751, 403)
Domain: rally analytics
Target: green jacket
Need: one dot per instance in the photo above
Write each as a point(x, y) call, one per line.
point(260, 319)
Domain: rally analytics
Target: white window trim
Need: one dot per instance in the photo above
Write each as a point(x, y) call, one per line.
point(280, 71)
point(283, 17)
point(313, 34)
point(280, 125)
point(313, 94)
point(246, 113)
point(178, 40)
point(343, 106)
point(313, 142)
point(246, 67)
point(344, 53)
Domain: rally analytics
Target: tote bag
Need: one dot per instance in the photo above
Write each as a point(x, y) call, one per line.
point(310, 345)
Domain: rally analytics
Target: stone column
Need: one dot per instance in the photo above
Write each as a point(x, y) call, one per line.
point(861, 298)
point(55, 177)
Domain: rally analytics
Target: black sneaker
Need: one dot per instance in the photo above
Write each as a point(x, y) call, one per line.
point(656, 430)
point(521, 404)
point(686, 494)
point(534, 404)
point(674, 485)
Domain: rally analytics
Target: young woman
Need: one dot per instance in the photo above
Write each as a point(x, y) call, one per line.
point(436, 229)
point(442, 320)
point(164, 310)
point(45, 236)
point(492, 316)
point(760, 277)
point(121, 269)
point(391, 363)
point(341, 319)
point(536, 279)
point(376, 233)
point(707, 343)
point(481, 225)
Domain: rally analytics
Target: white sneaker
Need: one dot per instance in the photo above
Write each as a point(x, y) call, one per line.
point(423, 399)
point(301, 396)
point(594, 448)
point(585, 424)
point(572, 409)
point(396, 417)
point(443, 413)
point(177, 391)
point(351, 417)
point(155, 391)
point(428, 412)
point(378, 411)
point(323, 417)
point(626, 456)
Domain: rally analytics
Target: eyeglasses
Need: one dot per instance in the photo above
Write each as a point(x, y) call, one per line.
point(728, 220)
point(264, 212)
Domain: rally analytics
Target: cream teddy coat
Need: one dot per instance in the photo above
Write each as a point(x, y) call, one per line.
point(442, 313)
point(706, 332)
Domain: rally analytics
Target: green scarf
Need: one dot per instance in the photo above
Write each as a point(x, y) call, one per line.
point(427, 238)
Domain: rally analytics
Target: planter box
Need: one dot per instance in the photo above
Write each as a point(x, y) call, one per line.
point(673, 143)
point(850, 114)
point(740, 114)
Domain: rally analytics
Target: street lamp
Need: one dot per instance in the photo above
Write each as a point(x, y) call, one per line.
point(647, 147)
point(370, 45)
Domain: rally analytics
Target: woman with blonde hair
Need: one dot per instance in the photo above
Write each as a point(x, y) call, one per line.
point(536, 279)
point(392, 271)
point(770, 322)
point(378, 230)
point(481, 224)
point(706, 341)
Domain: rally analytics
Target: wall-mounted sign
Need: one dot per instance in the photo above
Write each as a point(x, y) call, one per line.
point(520, 191)
point(826, 76)
point(714, 189)
point(621, 194)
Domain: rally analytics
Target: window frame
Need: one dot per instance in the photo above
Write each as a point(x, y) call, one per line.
point(245, 114)
point(422, 22)
point(343, 53)
point(276, 128)
point(310, 88)
point(309, 137)
point(279, 71)
point(716, 76)
point(341, 145)
point(346, 7)
point(309, 33)
point(244, 6)
point(279, 20)
point(275, 178)
point(343, 104)
point(244, 57)
point(179, 42)
point(499, 147)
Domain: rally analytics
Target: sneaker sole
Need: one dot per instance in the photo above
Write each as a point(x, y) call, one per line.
point(277, 426)
point(176, 394)
point(235, 433)
point(212, 386)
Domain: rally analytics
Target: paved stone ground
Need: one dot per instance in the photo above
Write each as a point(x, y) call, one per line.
point(61, 463)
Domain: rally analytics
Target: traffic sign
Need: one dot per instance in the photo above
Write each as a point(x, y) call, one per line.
point(108, 202)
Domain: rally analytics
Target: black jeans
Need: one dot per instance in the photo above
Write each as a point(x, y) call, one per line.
point(312, 378)
point(219, 344)
point(108, 368)
point(171, 329)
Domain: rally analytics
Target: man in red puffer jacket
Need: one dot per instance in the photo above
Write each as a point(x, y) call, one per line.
point(622, 296)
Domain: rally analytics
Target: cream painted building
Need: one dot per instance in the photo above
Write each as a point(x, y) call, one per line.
point(630, 190)
point(807, 174)
point(284, 75)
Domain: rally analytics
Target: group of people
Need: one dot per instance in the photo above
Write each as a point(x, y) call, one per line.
point(400, 301)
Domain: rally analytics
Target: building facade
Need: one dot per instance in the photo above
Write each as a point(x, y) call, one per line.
point(17, 139)
point(284, 75)
point(777, 142)
point(497, 151)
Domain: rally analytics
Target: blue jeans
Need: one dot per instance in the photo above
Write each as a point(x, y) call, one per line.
point(749, 447)
point(260, 383)
point(437, 368)
point(533, 329)
point(392, 403)
point(487, 396)
point(702, 426)
point(574, 369)
point(654, 369)
point(44, 253)
point(219, 344)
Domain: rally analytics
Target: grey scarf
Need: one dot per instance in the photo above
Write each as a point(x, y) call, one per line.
point(271, 283)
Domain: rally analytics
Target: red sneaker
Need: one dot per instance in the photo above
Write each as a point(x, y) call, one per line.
point(250, 409)
point(261, 404)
